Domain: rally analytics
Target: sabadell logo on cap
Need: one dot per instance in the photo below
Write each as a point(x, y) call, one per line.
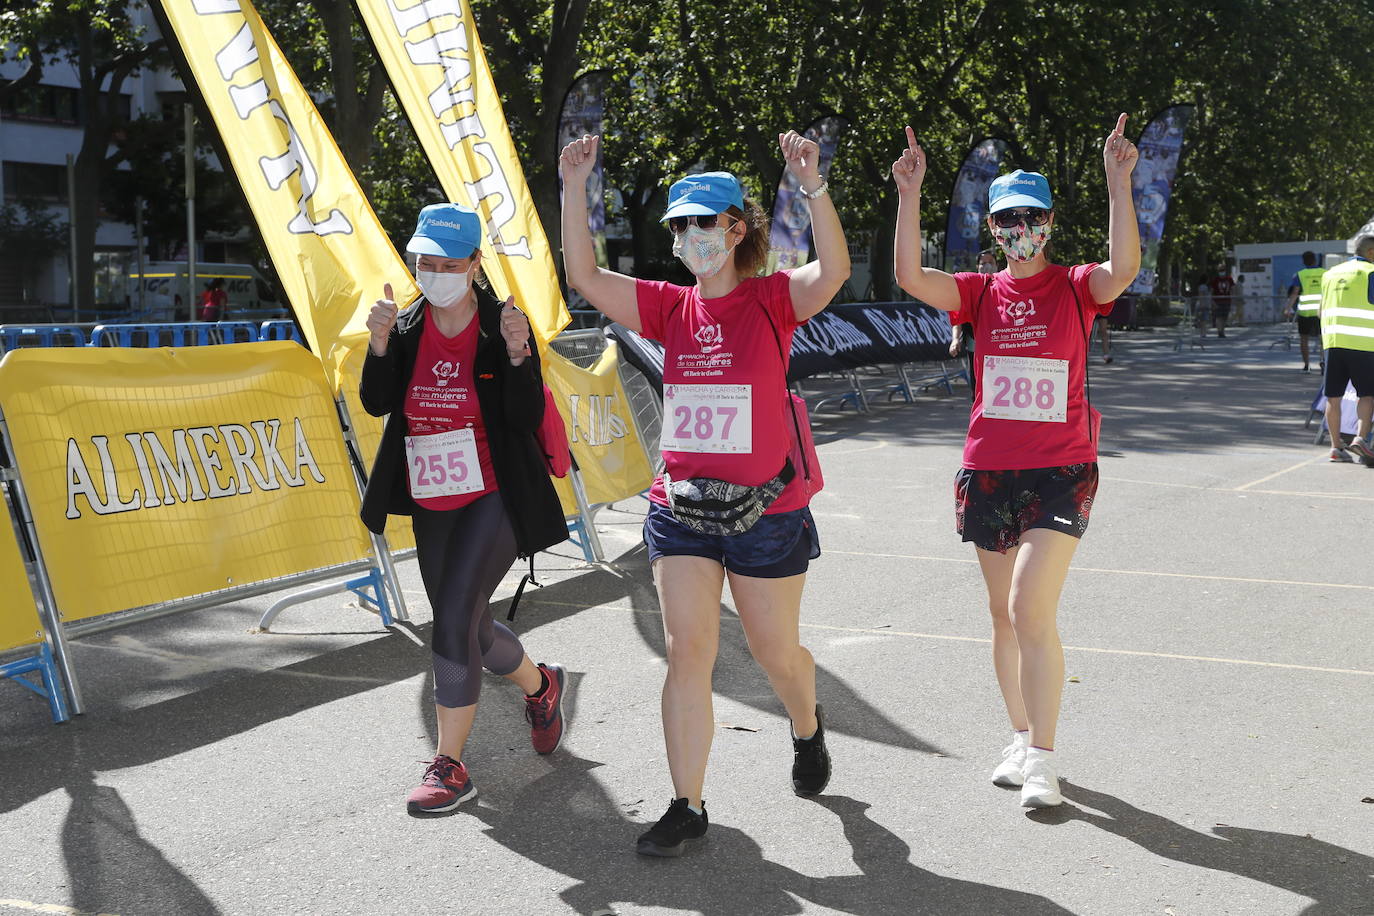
point(446, 224)
point(1022, 181)
point(698, 187)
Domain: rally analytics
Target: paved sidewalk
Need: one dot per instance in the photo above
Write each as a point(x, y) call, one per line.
point(1215, 737)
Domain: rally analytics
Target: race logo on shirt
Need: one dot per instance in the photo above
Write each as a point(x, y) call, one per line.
point(1016, 313)
point(443, 371)
point(710, 337)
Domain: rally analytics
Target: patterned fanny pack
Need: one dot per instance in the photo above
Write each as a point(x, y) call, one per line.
point(713, 506)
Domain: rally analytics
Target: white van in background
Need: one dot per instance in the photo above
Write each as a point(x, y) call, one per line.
point(165, 297)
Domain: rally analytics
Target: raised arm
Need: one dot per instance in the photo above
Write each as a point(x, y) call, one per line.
point(813, 285)
point(1111, 278)
point(933, 287)
point(611, 293)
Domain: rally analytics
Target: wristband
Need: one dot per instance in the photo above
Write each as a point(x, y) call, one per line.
point(812, 195)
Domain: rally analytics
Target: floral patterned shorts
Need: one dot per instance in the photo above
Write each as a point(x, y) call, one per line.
point(994, 508)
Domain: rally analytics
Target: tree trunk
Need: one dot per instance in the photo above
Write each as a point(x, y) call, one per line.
point(561, 63)
point(356, 108)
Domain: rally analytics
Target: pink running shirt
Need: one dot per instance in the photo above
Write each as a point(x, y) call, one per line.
point(1033, 317)
point(726, 345)
point(441, 397)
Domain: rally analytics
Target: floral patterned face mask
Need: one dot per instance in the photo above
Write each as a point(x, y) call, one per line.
point(1021, 242)
point(703, 250)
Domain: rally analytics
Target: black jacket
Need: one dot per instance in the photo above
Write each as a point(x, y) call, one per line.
point(511, 399)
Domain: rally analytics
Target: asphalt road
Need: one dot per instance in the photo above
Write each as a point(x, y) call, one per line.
point(1215, 739)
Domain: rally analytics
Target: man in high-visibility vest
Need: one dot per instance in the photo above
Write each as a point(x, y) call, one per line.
point(1305, 290)
point(1347, 319)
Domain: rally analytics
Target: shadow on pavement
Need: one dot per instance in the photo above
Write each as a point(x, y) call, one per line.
point(1338, 880)
point(109, 861)
point(737, 676)
point(1167, 402)
point(566, 823)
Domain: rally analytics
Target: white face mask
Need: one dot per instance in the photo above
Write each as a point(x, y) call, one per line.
point(443, 290)
point(703, 250)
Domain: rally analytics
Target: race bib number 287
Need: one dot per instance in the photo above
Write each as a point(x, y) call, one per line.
point(1025, 388)
point(707, 418)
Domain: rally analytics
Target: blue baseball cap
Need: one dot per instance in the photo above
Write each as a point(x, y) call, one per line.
point(703, 194)
point(1019, 189)
point(446, 231)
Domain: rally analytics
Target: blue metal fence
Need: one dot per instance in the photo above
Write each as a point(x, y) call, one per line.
point(145, 334)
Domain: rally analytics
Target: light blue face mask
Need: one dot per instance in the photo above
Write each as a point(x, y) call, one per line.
point(703, 250)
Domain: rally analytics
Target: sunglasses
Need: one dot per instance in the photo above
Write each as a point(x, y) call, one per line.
point(1031, 216)
point(679, 224)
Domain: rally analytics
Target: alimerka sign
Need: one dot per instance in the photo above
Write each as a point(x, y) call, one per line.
point(162, 473)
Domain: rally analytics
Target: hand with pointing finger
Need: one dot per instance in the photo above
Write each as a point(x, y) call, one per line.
point(1119, 155)
point(910, 168)
point(381, 320)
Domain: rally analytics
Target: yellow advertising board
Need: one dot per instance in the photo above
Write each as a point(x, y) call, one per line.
point(324, 239)
point(439, 71)
point(601, 430)
point(162, 473)
point(19, 624)
point(368, 431)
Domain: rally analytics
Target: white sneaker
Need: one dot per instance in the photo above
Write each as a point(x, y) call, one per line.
point(1041, 788)
point(1008, 772)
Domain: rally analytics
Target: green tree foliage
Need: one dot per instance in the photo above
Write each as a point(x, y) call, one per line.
point(1280, 146)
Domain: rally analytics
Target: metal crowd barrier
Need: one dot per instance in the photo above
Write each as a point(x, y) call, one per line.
point(146, 334)
point(177, 334)
point(16, 336)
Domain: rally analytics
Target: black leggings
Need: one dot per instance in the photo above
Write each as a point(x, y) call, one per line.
point(464, 554)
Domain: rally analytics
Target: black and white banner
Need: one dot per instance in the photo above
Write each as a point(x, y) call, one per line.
point(840, 338)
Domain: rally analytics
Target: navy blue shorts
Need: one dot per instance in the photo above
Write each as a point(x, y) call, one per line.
point(778, 546)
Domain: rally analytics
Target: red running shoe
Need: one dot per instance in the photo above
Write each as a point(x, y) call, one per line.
point(445, 786)
point(544, 711)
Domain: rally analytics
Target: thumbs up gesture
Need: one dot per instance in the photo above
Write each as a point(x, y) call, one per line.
point(381, 320)
point(515, 328)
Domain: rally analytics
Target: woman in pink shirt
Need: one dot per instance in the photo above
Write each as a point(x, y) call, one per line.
point(726, 431)
point(1029, 471)
point(457, 376)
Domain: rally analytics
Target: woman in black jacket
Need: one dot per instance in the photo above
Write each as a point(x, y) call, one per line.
point(458, 375)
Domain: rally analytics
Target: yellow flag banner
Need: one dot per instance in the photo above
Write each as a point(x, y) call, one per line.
point(162, 473)
point(19, 624)
point(439, 71)
point(325, 241)
point(601, 429)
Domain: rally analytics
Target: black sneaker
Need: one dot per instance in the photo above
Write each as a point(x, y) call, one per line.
point(670, 835)
point(810, 760)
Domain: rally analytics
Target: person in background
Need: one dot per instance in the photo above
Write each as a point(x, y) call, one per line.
point(962, 335)
point(457, 376)
point(214, 301)
point(1305, 291)
point(1347, 318)
point(1223, 290)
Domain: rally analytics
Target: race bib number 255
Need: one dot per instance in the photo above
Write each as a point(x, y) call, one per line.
point(1025, 388)
point(443, 464)
point(707, 418)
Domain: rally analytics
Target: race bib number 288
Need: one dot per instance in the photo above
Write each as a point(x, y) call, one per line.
point(707, 418)
point(1025, 388)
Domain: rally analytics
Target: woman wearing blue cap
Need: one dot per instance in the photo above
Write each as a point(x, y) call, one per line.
point(458, 377)
point(730, 503)
point(1029, 471)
